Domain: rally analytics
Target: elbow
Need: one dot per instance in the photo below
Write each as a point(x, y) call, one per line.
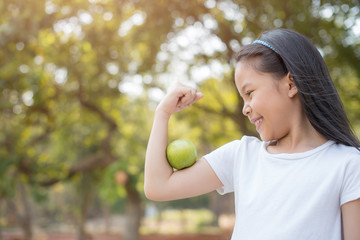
point(153, 194)
point(148, 193)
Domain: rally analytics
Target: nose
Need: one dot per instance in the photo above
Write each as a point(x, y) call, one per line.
point(246, 109)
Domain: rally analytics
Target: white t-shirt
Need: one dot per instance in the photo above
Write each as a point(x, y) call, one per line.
point(287, 196)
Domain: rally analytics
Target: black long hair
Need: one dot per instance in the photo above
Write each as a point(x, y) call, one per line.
point(284, 51)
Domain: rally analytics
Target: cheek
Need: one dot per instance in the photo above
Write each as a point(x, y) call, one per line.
point(278, 115)
point(271, 108)
point(261, 104)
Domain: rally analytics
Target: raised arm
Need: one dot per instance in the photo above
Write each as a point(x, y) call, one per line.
point(161, 182)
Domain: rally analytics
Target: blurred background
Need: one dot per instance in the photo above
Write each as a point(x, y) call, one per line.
point(79, 82)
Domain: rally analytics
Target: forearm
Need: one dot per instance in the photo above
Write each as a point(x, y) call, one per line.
point(157, 169)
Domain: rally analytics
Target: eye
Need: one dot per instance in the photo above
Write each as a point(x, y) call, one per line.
point(248, 93)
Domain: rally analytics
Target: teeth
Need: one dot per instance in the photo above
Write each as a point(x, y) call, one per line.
point(258, 121)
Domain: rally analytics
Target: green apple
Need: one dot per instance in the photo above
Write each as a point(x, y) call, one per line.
point(181, 153)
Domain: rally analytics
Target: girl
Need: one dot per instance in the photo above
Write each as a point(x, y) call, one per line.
point(302, 181)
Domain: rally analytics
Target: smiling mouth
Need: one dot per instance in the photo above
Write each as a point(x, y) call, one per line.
point(257, 122)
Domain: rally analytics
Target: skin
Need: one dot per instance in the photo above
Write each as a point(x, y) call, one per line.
point(351, 219)
point(161, 182)
point(283, 121)
point(282, 116)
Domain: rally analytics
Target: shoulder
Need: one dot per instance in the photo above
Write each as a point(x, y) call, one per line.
point(251, 141)
point(233, 149)
point(347, 149)
point(345, 153)
point(244, 148)
point(346, 158)
point(245, 143)
point(350, 160)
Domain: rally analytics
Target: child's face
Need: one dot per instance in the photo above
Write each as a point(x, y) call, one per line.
point(267, 103)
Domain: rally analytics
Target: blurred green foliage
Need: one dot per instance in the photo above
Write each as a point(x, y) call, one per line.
point(79, 80)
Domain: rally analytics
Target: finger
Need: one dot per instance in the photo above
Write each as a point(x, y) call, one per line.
point(198, 96)
point(188, 96)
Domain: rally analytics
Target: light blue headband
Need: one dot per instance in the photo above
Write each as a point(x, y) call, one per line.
point(265, 44)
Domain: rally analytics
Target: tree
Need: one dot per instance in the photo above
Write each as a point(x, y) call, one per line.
point(75, 77)
point(60, 88)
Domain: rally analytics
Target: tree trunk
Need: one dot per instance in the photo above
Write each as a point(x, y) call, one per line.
point(134, 212)
point(221, 204)
point(107, 219)
point(1, 214)
point(86, 197)
point(20, 206)
point(25, 216)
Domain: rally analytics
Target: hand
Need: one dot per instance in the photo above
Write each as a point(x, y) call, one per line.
point(179, 97)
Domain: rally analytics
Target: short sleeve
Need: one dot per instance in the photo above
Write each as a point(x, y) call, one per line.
point(222, 161)
point(351, 181)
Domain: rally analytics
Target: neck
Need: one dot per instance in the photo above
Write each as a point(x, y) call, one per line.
point(302, 137)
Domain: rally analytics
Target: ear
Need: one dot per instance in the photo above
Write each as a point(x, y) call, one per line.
point(292, 89)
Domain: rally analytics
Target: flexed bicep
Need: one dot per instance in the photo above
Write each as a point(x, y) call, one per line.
point(161, 182)
point(189, 182)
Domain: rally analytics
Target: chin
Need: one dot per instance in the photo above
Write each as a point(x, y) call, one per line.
point(265, 138)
